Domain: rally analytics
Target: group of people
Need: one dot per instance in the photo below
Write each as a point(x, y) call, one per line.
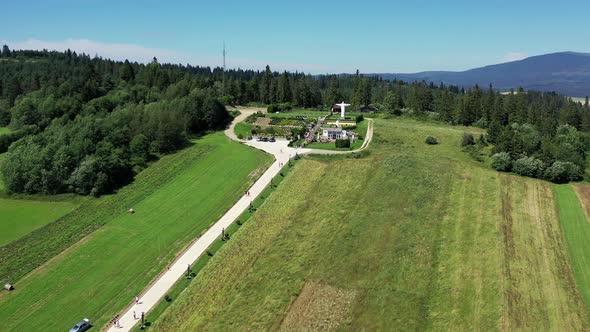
point(116, 322)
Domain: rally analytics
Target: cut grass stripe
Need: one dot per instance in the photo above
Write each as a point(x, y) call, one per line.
point(576, 230)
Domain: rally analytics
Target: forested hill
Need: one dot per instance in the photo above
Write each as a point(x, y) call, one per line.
point(88, 125)
point(567, 73)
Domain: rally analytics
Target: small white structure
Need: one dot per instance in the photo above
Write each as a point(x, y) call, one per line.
point(342, 108)
point(333, 133)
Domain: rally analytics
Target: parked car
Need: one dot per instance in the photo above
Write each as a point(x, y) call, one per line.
point(82, 326)
point(272, 139)
point(258, 139)
point(265, 139)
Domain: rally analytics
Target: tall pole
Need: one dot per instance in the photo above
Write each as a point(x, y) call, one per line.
point(223, 75)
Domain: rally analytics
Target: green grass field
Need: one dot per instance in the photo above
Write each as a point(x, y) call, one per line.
point(4, 130)
point(182, 284)
point(244, 129)
point(576, 230)
point(20, 217)
point(409, 237)
point(101, 274)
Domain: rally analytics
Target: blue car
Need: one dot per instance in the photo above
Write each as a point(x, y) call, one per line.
point(81, 326)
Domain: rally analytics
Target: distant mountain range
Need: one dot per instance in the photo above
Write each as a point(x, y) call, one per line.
point(567, 73)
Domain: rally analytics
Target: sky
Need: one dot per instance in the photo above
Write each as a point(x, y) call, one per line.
point(320, 36)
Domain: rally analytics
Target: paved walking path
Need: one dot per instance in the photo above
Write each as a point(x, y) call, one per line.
point(177, 270)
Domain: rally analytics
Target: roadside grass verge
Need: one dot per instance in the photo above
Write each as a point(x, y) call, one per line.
point(244, 129)
point(175, 200)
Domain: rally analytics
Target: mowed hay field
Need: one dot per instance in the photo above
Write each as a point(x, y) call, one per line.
point(20, 217)
point(409, 237)
point(102, 273)
point(574, 211)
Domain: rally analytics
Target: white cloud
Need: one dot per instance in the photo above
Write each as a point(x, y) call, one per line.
point(114, 51)
point(514, 56)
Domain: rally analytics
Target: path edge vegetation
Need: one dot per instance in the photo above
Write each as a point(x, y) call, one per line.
point(179, 287)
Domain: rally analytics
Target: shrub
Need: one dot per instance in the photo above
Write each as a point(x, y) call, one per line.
point(240, 136)
point(167, 298)
point(481, 123)
point(502, 162)
point(431, 140)
point(343, 143)
point(209, 253)
point(562, 172)
point(272, 108)
point(360, 118)
point(482, 140)
point(529, 166)
point(467, 139)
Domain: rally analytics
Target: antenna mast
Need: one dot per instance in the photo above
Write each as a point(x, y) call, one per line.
point(223, 75)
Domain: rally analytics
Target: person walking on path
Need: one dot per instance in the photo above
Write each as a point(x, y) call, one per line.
point(134, 316)
point(137, 300)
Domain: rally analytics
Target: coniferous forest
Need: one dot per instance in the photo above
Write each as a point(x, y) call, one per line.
point(87, 125)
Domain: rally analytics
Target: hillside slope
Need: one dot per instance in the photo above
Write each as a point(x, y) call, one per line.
point(567, 73)
point(409, 237)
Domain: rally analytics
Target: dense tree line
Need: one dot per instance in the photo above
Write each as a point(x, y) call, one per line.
point(113, 117)
point(87, 125)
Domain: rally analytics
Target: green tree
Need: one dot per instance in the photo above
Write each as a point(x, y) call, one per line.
point(333, 94)
point(285, 93)
point(6, 51)
point(127, 73)
point(265, 85)
point(392, 102)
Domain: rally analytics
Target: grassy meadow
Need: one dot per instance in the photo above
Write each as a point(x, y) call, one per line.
point(20, 217)
point(408, 237)
point(576, 230)
point(175, 200)
point(4, 130)
point(243, 129)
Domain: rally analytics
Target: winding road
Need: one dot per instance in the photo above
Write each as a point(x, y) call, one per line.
point(282, 153)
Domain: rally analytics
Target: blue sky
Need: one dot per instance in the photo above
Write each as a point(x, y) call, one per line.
point(311, 36)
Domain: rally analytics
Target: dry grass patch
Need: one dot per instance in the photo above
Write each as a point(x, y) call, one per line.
point(583, 192)
point(319, 307)
point(540, 292)
point(263, 121)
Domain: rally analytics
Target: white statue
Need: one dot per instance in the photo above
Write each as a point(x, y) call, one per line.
point(342, 107)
